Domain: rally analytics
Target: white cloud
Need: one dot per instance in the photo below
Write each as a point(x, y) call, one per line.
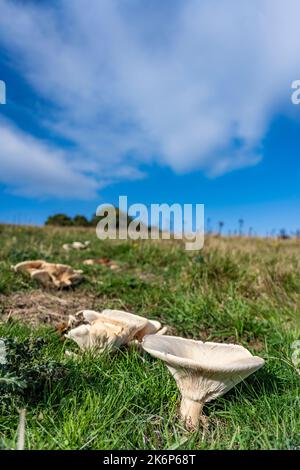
point(32, 168)
point(191, 84)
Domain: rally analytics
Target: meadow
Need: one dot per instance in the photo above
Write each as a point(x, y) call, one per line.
point(235, 290)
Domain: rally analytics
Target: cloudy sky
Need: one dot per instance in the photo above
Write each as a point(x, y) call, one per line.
point(174, 101)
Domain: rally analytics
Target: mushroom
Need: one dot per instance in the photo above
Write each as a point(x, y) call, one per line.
point(76, 245)
point(50, 274)
point(81, 336)
point(110, 329)
point(103, 262)
point(28, 266)
point(203, 370)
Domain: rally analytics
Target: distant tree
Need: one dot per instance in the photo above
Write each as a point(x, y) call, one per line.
point(96, 218)
point(221, 225)
point(250, 232)
point(241, 224)
point(208, 228)
point(61, 220)
point(80, 221)
point(283, 235)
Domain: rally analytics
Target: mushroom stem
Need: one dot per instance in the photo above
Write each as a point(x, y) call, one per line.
point(191, 412)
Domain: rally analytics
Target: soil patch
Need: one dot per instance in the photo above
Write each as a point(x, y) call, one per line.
point(39, 307)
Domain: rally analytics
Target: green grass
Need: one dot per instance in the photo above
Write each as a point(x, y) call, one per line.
point(237, 290)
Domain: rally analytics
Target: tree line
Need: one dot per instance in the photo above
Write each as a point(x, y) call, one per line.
point(63, 220)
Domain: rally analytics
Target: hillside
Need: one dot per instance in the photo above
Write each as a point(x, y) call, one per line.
point(235, 290)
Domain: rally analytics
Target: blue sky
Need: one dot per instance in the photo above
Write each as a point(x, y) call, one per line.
point(162, 102)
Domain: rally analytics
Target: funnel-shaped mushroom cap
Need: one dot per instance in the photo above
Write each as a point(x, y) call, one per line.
point(151, 328)
point(63, 275)
point(203, 371)
point(28, 266)
point(134, 323)
point(96, 336)
point(113, 328)
point(42, 276)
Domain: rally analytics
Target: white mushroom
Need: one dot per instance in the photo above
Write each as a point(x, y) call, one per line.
point(71, 321)
point(203, 371)
point(111, 328)
point(66, 246)
point(76, 245)
point(152, 327)
point(89, 262)
point(81, 336)
point(102, 262)
point(50, 274)
point(28, 266)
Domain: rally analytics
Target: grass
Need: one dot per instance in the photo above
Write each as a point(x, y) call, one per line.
point(239, 290)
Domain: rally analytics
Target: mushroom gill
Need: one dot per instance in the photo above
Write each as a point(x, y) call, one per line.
point(203, 371)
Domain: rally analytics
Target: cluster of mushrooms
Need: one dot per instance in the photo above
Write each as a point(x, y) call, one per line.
point(50, 274)
point(57, 275)
point(203, 370)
